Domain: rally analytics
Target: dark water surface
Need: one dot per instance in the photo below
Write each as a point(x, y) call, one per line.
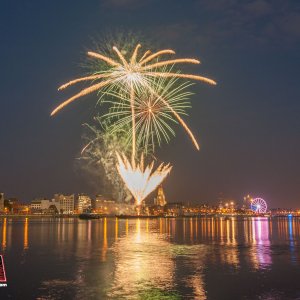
point(187, 258)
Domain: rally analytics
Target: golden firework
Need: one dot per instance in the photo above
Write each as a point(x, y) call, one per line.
point(134, 74)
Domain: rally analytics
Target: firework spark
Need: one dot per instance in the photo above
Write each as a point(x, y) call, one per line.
point(139, 180)
point(154, 111)
point(98, 156)
point(135, 75)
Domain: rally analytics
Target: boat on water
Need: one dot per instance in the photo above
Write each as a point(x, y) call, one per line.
point(88, 216)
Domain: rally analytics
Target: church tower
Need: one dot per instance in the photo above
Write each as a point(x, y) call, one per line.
point(160, 199)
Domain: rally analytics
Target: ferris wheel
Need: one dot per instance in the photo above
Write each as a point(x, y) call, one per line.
point(259, 205)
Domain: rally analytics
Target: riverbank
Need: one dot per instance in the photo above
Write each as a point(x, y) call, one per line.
point(75, 216)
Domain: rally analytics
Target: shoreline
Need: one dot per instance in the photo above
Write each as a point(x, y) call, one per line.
point(144, 216)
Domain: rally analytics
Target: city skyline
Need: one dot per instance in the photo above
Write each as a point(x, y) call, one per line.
point(248, 125)
point(82, 201)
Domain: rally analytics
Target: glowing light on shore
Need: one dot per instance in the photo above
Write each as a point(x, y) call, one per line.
point(140, 180)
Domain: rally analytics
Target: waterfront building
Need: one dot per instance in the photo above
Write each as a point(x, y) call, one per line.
point(1, 202)
point(284, 212)
point(50, 206)
point(45, 206)
point(84, 203)
point(66, 203)
point(154, 210)
point(125, 209)
point(13, 204)
point(21, 208)
point(104, 206)
point(111, 207)
point(160, 200)
point(174, 209)
point(36, 206)
point(98, 203)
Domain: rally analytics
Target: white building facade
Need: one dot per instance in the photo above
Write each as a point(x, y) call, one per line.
point(84, 203)
point(66, 203)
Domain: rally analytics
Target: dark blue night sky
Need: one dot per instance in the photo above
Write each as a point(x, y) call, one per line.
point(248, 125)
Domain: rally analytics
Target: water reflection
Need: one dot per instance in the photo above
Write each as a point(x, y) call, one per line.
point(260, 241)
point(116, 228)
point(4, 234)
point(151, 258)
point(143, 261)
point(292, 230)
point(104, 247)
point(26, 234)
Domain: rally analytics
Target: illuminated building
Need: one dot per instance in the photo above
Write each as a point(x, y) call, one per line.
point(44, 206)
point(1, 201)
point(48, 206)
point(160, 200)
point(246, 207)
point(66, 203)
point(36, 206)
point(22, 208)
point(112, 208)
point(101, 202)
point(174, 209)
point(10, 205)
point(84, 203)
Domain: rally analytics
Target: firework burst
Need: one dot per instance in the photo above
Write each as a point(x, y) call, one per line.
point(153, 116)
point(134, 74)
point(137, 83)
point(140, 180)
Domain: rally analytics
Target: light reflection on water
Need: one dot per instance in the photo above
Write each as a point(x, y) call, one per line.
point(142, 259)
point(197, 258)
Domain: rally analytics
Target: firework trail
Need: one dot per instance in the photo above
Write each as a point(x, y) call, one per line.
point(135, 75)
point(154, 111)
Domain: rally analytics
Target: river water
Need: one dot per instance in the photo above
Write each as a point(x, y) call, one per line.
point(183, 258)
